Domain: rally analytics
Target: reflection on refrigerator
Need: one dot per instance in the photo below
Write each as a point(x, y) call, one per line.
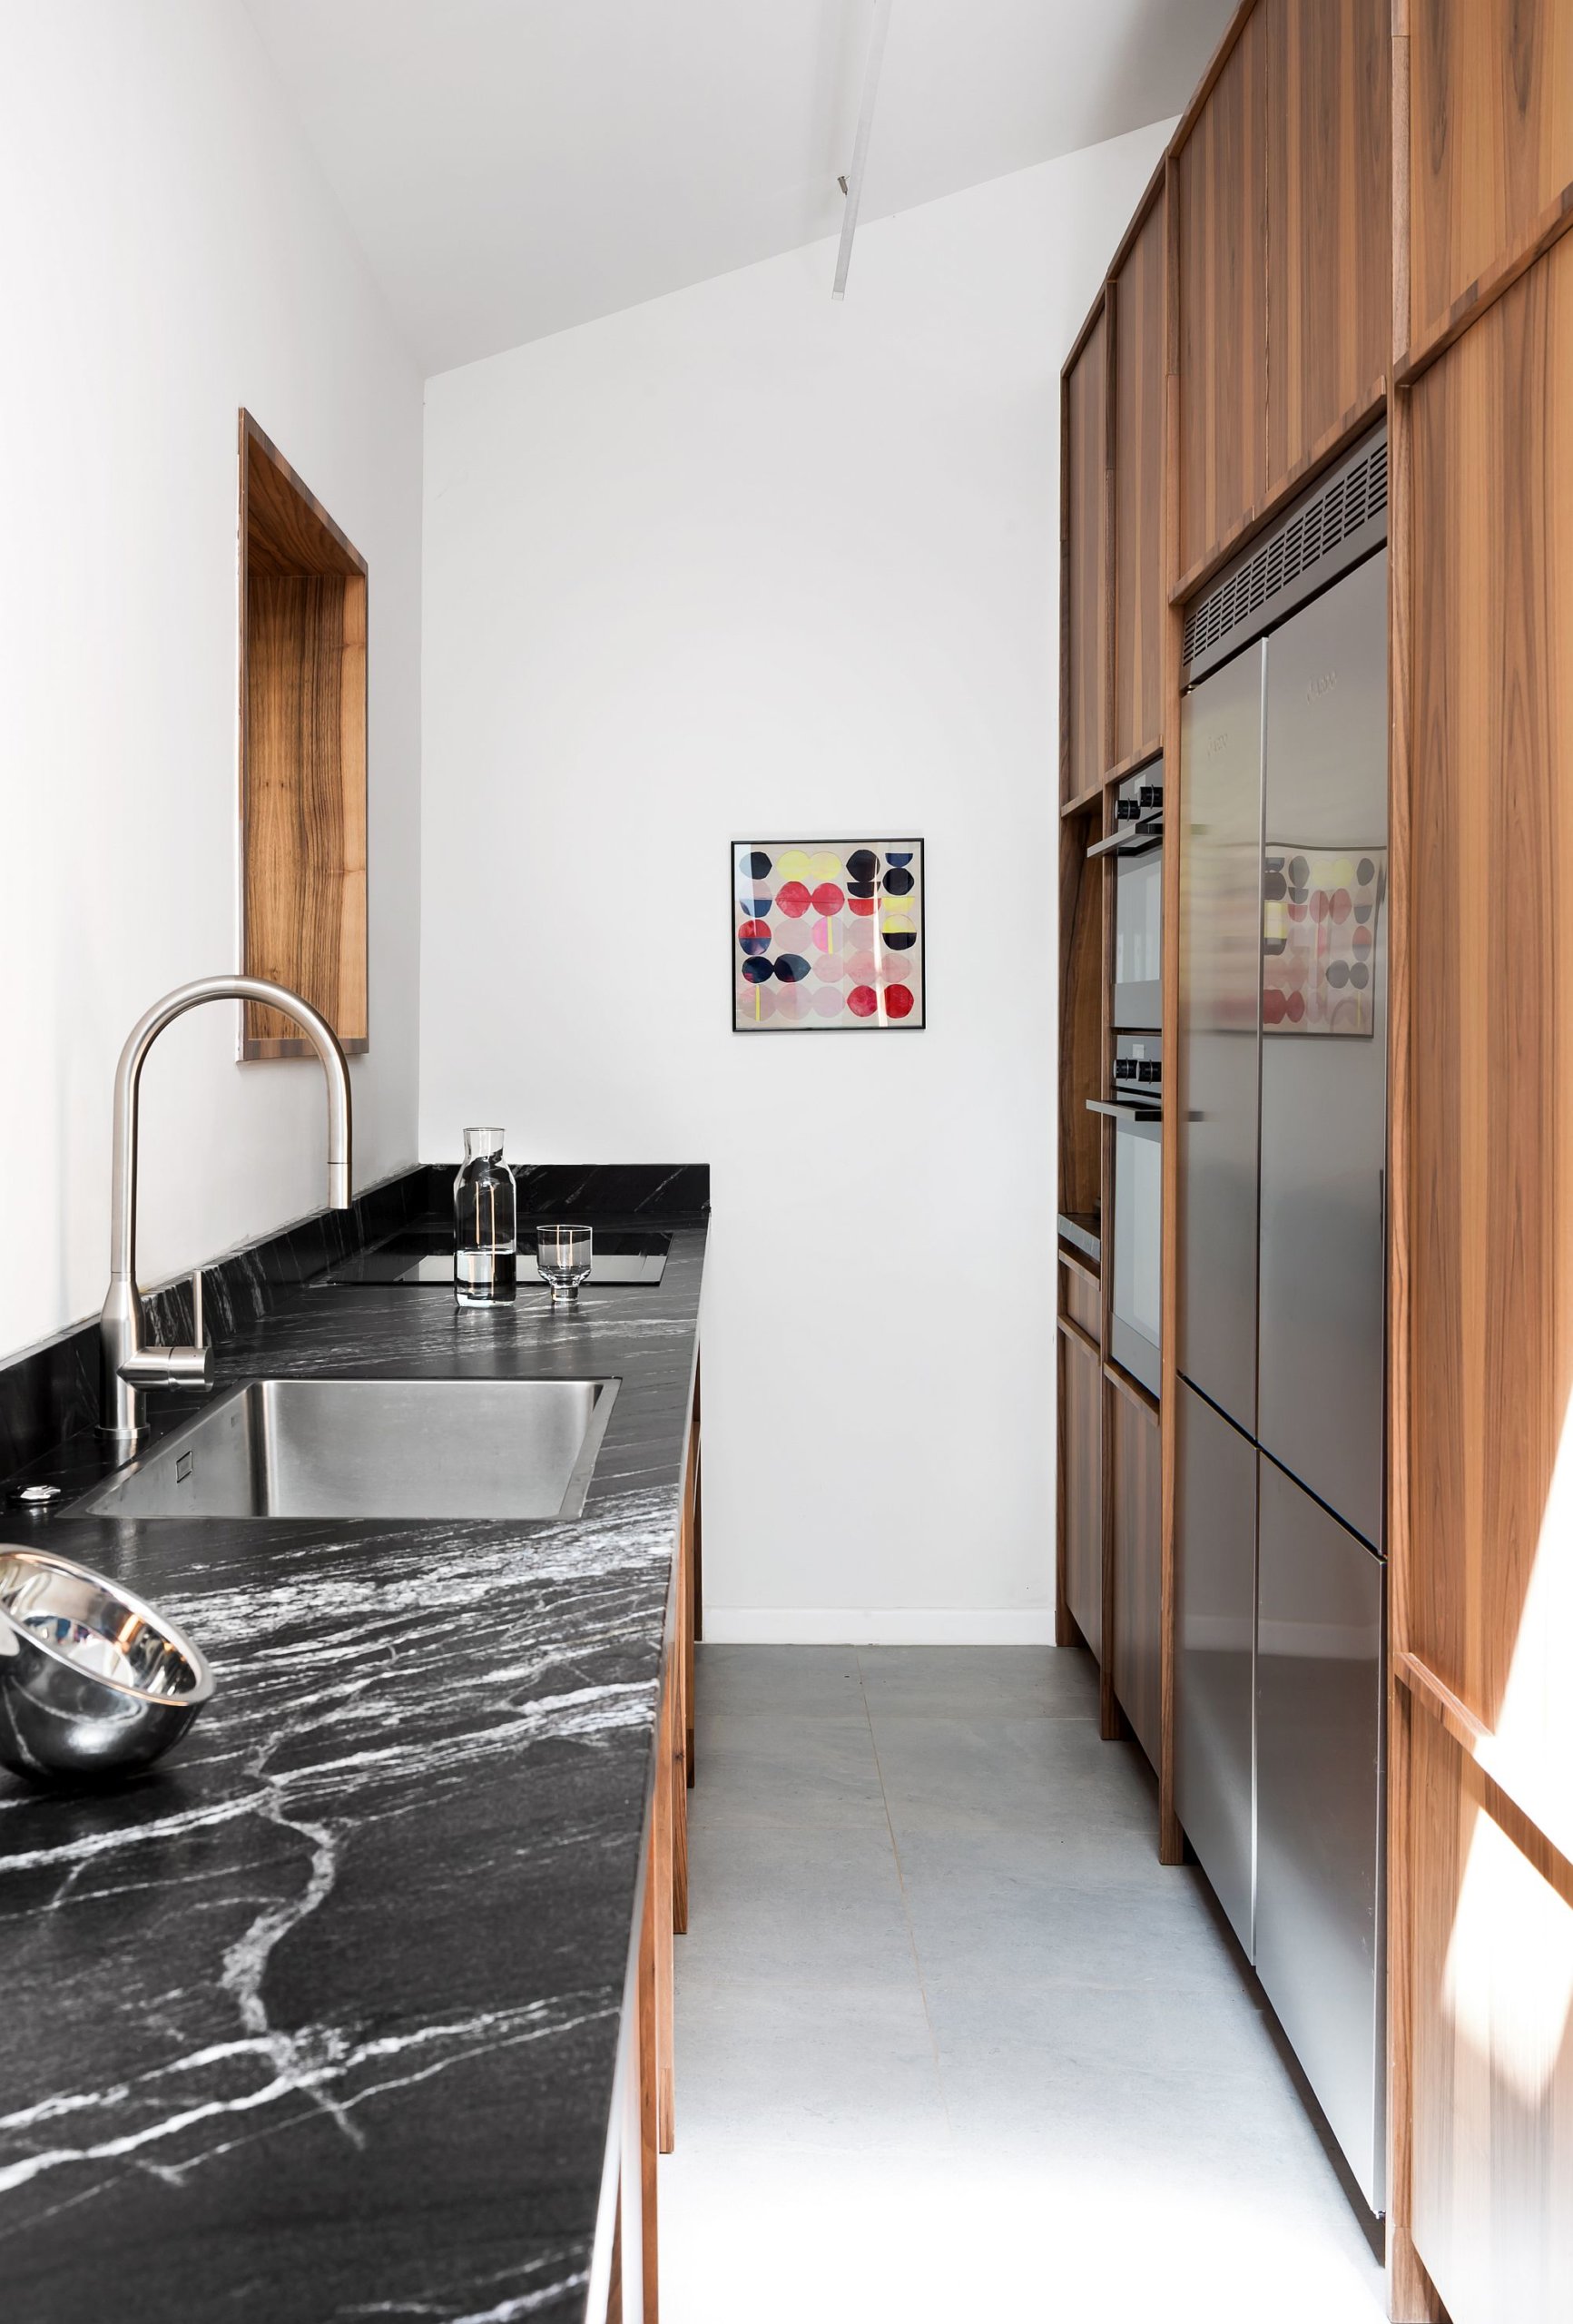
point(1282, 1055)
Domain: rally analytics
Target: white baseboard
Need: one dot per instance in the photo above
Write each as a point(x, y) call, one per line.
point(879, 1625)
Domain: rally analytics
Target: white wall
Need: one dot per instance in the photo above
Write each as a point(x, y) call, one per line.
point(744, 563)
point(168, 253)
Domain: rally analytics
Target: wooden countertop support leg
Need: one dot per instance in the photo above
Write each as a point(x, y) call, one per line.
point(646, 2051)
point(660, 1888)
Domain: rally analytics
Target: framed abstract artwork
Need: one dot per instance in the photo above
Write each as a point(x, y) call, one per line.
point(827, 936)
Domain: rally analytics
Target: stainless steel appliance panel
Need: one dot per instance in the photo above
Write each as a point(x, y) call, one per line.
point(1135, 1333)
point(1217, 1058)
point(1318, 1780)
point(1319, 1404)
point(1138, 985)
point(1216, 1624)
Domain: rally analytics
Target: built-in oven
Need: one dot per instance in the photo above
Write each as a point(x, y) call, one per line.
point(1136, 845)
point(1135, 1103)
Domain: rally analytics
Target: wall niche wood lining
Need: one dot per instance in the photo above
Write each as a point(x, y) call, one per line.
point(302, 754)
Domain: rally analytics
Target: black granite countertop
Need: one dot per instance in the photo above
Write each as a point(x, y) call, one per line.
point(319, 2018)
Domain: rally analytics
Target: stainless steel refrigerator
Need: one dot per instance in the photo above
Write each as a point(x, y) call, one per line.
point(1282, 1059)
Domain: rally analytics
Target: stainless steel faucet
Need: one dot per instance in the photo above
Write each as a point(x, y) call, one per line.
point(127, 1368)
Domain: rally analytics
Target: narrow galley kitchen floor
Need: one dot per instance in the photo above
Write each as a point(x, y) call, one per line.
point(951, 2041)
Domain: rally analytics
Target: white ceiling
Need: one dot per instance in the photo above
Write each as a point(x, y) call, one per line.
point(512, 167)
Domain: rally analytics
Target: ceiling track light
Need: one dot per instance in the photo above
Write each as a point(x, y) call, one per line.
point(852, 185)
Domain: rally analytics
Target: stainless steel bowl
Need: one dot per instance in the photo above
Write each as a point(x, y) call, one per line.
point(93, 1682)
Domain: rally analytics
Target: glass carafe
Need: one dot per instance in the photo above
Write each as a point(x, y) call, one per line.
point(484, 1248)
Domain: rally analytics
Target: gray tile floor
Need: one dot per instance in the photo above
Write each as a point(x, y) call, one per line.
point(950, 2042)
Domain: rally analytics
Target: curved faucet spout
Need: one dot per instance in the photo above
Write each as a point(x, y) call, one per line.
point(127, 1367)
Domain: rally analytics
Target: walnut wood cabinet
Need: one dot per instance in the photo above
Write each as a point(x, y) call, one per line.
point(1135, 1541)
point(1221, 187)
point(1283, 179)
point(1137, 302)
point(1329, 224)
point(1490, 155)
point(1083, 566)
point(1366, 211)
point(1481, 1815)
point(1081, 1530)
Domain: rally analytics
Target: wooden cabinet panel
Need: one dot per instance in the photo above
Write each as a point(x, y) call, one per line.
point(1221, 182)
point(1081, 1063)
point(1081, 1483)
point(1080, 1297)
point(1329, 219)
point(1490, 142)
point(1137, 1551)
point(1140, 606)
point(1491, 1050)
point(1082, 567)
point(1493, 1969)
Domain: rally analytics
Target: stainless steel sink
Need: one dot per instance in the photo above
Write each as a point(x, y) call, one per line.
point(375, 1448)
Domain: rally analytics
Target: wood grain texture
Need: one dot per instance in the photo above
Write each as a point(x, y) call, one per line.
point(649, 2099)
point(287, 529)
point(680, 1683)
point(1136, 1550)
point(662, 1833)
point(1491, 148)
point(1136, 654)
point(1493, 2052)
point(1412, 2297)
point(1083, 568)
point(1329, 220)
point(1171, 1838)
point(303, 678)
point(1080, 1295)
point(1221, 181)
point(1080, 1017)
point(1111, 1720)
point(1482, 1578)
point(691, 1603)
point(1081, 1470)
point(1489, 1605)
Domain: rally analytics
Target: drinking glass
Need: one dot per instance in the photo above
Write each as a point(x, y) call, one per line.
point(563, 1254)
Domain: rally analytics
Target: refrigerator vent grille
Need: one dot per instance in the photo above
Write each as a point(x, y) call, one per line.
point(1354, 496)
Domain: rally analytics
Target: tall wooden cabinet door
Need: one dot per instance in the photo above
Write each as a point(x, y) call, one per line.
point(1491, 1061)
point(1083, 568)
point(1490, 142)
point(1221, 178)
point(1137, 458)
point(1329, 220)
point(1136, 1547)
point(1493, 2049)
point(1491, 1051)
point(1081, 1485)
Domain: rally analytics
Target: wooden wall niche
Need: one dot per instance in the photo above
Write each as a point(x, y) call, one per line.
point(302, 754)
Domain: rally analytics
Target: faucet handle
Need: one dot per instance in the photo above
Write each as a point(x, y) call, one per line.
point(169, 1367)
point(198, 1331)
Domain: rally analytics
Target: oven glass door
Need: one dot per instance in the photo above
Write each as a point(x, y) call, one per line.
point(1136, 1326)
point(1139, 939)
